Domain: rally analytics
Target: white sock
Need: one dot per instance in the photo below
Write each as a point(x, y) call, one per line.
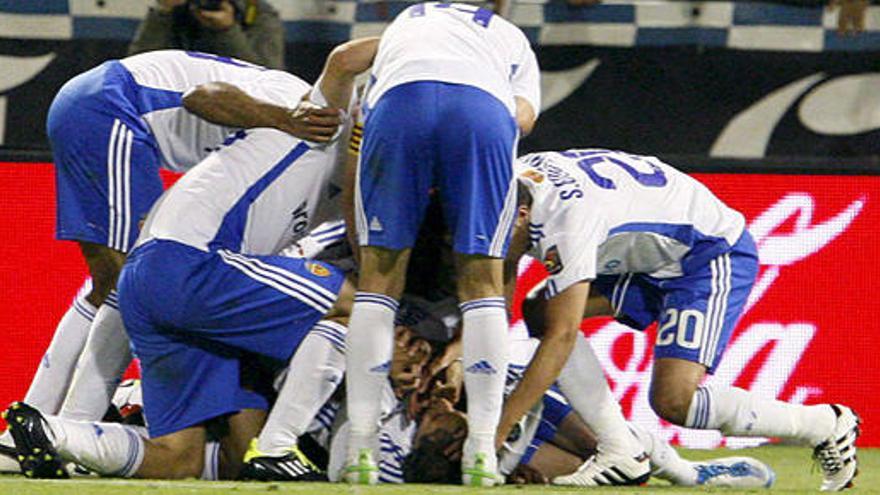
point(315, 371)
point(369, 342)
point(52, 379)
point(665, 462)
point(738, 412)
point(109, 449)
point(103, 361)
point(583, 383)
point(485, 354)
point(212, 462)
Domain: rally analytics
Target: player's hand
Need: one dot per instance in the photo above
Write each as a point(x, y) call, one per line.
point(216, 20)
point(408, 362)
point(851, 15)
point(526, 475)
point(449, 387)
point(312, 122)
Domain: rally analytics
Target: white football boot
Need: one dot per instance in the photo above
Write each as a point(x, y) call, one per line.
point(836, 455)
point(607, 468)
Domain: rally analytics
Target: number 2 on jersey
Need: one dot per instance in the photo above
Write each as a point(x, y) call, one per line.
point(587, 159)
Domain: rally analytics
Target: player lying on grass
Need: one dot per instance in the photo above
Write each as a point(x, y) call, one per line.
point(112, 128)
point(661, 247)
point(421, 434)
point(200, 295)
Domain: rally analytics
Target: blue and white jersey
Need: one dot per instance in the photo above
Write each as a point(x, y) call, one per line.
point(160, 79)
point(601, 212)
point(256, 195)
point(459, 44)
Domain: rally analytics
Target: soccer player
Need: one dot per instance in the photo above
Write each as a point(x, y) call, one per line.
point(451, 89)
point(661, 247)
point(203, 291)
point(112, 128)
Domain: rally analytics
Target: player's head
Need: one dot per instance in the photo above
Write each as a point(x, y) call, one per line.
point(436, 453)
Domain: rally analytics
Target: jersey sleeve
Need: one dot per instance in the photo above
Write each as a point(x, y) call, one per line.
point(570, 251)
point(525, 80)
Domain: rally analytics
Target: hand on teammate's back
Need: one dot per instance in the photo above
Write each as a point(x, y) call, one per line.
point(313, 123)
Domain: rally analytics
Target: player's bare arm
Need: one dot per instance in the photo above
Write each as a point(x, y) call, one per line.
point(525, 116)
point(343, 64)
point(228, 105)
point(564, 313)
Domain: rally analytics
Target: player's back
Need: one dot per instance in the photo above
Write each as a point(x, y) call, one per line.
point(638, 214)
point(256, 195)
point(459, 44)
point(160, 79)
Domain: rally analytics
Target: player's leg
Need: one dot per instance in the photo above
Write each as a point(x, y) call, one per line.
point(315, 371)
point(735, 472)
point(485, 353)
point(693, 333)
point(583, 383)
point(478, 138)
point(391, 194)
point(104, 359)
point(106, 177)
point(243, 427)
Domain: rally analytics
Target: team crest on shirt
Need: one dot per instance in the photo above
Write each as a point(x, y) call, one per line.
point(318, 269)
point(552, 262)
point(533, 175)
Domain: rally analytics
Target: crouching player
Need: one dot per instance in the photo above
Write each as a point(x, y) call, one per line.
point(661, 247)
point(201, 291)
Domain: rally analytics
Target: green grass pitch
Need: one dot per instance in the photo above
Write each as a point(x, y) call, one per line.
point(794, 470)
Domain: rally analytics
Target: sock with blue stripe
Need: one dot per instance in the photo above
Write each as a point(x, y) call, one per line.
point(665, 462)
point(485, 356)
point(368, 361)
point(109, 449)
point(50, 383)
point(100, 367)
point(738, 412)
point(315, 371)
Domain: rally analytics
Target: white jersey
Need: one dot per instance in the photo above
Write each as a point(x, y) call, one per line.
point(256, 195)
point(161, 78)
point(459, 44)
point(600, 212)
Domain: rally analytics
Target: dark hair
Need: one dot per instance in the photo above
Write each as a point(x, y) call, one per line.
point(428, 464)
point(523, 195)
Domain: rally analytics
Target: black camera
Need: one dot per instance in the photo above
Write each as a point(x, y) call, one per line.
point(206, 4)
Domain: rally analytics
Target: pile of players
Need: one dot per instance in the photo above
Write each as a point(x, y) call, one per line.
point(236, 292)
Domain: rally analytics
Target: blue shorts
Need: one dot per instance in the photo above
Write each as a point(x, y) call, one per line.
point(556, 409)
point(696, 312)
point(106, 160)
point(193, 316)
point(428, 134)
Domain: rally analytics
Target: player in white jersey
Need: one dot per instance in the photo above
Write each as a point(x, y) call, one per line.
point(660, 247)
point(112, 128)
point(203, 291)
point(451, 89)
